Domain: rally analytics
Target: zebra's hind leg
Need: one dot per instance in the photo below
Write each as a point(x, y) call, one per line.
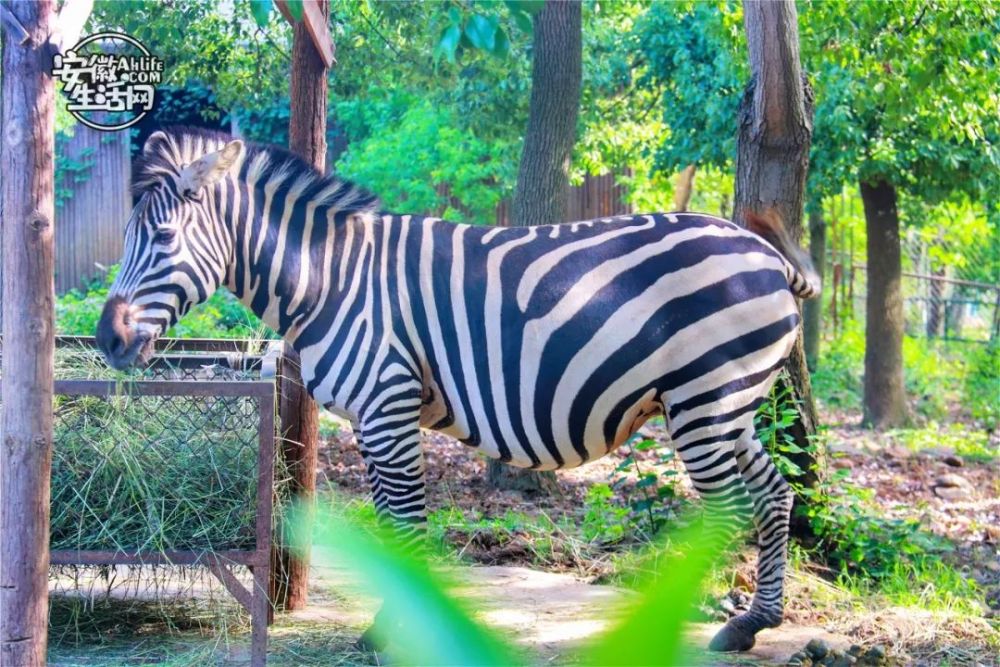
point(707, 447)
point(395, 466)
point(772, 503)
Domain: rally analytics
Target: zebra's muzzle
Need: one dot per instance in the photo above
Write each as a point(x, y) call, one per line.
point(121, 344)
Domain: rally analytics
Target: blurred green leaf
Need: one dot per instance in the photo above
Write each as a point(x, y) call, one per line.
point(295, 8)
point(428, 627)
point(449, 41)
point(481, 31)
point(261, 10)
point(652, 633)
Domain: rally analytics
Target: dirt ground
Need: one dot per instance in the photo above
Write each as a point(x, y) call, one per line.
point(955, 498)
point(552, 609)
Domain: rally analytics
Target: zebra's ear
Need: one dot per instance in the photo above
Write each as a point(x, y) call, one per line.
point(154, 143)
point(208, 169)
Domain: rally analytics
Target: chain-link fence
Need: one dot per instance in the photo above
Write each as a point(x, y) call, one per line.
point(949, 293)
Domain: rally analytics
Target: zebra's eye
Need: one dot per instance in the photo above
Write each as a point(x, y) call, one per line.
point(164, 235)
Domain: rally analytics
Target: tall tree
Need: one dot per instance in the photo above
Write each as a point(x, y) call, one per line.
point(908, 108)
point(542, 191)
point(27, 209)
point(775, 133)
point(885, 396)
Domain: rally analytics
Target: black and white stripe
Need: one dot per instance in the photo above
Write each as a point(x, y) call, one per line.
point(545, 347)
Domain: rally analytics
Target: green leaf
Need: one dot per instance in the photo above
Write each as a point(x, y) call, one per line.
point(647, 443)
point(523, 21)
point(649, 479)
point(410, 591)
point(481, 31)
point(501, 46)
point(261, 11)
point(295, 9)
point(448, 43)
point(665, 608)
point(530, 7)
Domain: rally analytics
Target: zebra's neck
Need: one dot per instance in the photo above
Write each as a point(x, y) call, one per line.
point(292, 231)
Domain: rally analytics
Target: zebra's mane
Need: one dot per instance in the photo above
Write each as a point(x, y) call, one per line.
point(183, 145)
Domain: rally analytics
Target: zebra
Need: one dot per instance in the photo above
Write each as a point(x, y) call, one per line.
point(545, 347)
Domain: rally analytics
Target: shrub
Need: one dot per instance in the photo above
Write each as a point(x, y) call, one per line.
point(221, 316)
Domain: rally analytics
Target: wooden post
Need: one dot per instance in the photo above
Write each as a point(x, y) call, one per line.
point(298, 413)
point(27, 213)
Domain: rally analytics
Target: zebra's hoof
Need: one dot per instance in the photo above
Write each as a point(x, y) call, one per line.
point(731, 639)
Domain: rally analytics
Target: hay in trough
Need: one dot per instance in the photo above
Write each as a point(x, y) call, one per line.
point(152, 473)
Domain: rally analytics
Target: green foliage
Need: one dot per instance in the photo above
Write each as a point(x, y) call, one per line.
point(853, 536)
point(479, 26)
point(973, 445)
point(70, 170)
point(411, 591)
point(603, 520)
point(652, 497)
point(981, 387)
point(221, 316)
point(773, 421)
point(695, 59)
point(219, 45)
point(450, 172)
point(905, 92)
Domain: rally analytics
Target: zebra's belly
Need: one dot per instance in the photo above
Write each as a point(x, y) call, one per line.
point(523, 439)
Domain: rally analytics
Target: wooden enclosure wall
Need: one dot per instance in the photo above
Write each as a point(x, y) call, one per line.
point(90, 223)
point(596, 197)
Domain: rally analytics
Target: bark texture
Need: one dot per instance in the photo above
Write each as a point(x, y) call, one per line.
point(812, 310)
point(683, 188)
point(542, 190)
point(542, 193)
point(775, 132)
point(306, 138)
point(28, 208)
point(885, 397)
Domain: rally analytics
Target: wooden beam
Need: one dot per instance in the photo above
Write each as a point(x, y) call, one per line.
point(315, 21)
point(28, 294)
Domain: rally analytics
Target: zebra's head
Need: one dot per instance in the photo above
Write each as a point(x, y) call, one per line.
point(175, 254)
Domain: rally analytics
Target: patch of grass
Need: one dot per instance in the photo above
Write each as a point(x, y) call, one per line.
point(973, 445)
point(926, 583)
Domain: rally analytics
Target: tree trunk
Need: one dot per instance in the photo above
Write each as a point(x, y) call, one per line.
point(812, 310)
point(28, 208)
point(885, 397)
point(300, 447)
point(775, 131)
point(684, 187)
point(542, 193)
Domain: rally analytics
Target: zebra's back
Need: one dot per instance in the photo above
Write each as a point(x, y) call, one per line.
point(548, 346)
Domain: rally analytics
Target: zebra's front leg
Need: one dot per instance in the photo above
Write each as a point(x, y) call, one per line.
point(772, 504)
point(395, 465)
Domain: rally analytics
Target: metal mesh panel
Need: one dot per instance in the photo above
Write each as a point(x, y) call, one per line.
point(154, 473)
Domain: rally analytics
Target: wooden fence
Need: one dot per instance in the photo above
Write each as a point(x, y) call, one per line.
point(94, 204)
point(597, 197)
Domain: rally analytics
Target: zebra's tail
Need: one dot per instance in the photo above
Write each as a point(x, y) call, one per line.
point(802, 279)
